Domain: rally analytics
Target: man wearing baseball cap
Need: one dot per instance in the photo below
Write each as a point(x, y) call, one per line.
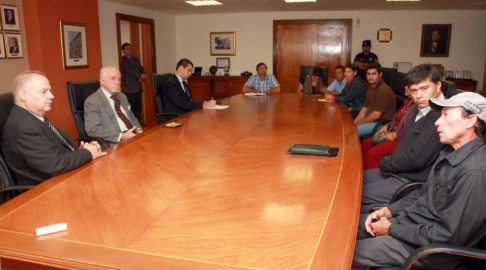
point(450, 208)
point(362, 59)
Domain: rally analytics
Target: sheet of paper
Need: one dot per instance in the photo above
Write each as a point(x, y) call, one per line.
point(255, 94)
point(218, 107)
point(324, 100)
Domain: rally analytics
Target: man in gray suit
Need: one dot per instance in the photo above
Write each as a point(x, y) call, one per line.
point(133, 76)
point(107, 113)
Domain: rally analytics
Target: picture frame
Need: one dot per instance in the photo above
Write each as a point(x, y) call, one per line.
point(74, 45)
point(457, 75)
point(449, 74)
point(222, 43)
point(3, 55)
point(466, 74)
point(223, 62)
point(436, 39)
point(384, 35)
point(13, 45)
point(10, 18)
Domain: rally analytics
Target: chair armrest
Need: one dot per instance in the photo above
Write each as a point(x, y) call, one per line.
point(406, 190)
point(378, 124)
point(16, 188)
point(443, 248)
point(160, 114)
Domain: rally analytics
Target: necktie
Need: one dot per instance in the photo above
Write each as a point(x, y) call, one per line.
point(131, 60)
point(419, 115)
point(120, 113)
point(51, 127)
point(186, 89)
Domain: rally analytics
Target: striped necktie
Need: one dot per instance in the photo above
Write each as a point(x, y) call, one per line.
point(120, 114)
point(51, 127)
point(186, 90)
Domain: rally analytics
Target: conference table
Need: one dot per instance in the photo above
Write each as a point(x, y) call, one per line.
point(218, 192)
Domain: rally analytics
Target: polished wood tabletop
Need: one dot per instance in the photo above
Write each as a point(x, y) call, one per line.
point(218, 192)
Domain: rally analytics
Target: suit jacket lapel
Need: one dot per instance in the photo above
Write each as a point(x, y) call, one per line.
point(105, 104)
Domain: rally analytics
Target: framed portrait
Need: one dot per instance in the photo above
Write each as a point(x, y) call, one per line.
point(436, 39)
point(74, 45)
point(457, 75)
point(2, 48)
point(222, 43)
point(10, 18)
point(449, 74)
point(222, 62)
point(13, 45)
point(466, 74)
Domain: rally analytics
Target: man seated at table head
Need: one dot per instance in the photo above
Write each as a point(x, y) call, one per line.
point(107, 114)
point(416, 152)
point(177, 97)
point(34, 149)
point(338, 84)
point(380, 102)
point(261, 82)
point(449, 209)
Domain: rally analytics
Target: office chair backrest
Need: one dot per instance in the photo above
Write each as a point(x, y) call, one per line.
point(388, 75)
point(158, 81)
point(6, 104)
point(398, 83)
point(78, 92)
point(6, 177)
point(306, 70)
point(448, 88)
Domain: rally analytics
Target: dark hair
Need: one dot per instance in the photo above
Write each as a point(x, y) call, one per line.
point(421, 73)
point(317, 71)
point(184, 63)
point(261, 64)
point(376, 66)
point(124, 45)
point(352, 66)
point(480, 128)
point(340, 67)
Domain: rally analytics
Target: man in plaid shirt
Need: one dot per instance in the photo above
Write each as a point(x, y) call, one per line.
point(262, 82)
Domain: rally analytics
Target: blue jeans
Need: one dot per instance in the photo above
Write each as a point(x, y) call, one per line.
point(365, 129)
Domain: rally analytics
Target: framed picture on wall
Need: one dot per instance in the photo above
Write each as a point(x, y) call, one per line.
point(74, 45)
point(436, 39)
point(2, 47)
point(10, 18)
point(13, 45)
point(222, 62)
point(222, 43)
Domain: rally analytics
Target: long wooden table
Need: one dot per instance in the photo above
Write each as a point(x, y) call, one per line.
point(219, 192)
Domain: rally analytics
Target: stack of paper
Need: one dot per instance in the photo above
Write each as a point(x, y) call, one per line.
point(255, 94)
point(218, 107)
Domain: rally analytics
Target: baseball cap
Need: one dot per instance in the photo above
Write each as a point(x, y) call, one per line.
point(470, 101)
point(366, 43)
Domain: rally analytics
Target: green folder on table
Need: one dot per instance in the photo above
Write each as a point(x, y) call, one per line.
point(310, 149)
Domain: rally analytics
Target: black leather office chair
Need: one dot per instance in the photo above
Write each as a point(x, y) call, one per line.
point(78, 92)
point(448, 88)
point(388, 75)
point(158, 81)
point(398, 83)
point(306, 70)
point(8, 186)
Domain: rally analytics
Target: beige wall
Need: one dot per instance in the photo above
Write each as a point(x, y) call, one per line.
point(164, 34)
point(254, 37)
point(9, 68)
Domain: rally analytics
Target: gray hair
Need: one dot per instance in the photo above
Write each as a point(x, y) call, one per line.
point(21, 80)
point(104, 71)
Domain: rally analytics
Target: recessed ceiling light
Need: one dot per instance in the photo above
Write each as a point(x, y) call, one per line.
point(204, 3)
point(298, 1)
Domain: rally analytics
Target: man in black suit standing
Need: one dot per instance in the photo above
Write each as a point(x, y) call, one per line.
point(35, 150)
point(133, 76)
point(177, 97)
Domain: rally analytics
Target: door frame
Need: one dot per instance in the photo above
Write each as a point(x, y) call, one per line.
point(277, 23)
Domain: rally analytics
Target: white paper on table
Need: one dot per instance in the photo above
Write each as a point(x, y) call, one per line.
point(255, 94)
point(324, 100)
point(218, 107)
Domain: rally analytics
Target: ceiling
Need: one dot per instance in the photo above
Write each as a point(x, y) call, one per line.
point(179, 7)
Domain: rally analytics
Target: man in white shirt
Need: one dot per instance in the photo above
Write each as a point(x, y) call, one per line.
point(107, 114)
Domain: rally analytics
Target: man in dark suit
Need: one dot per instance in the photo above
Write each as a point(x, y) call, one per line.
point(133, 76)
point(177, 97)
point(435, 45)
point(107, 113)
point(14, 47)
point(9, 16)
point(35, 150)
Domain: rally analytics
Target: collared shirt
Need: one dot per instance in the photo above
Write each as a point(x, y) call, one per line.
point(122, 125)
point(423, 112)
point(336, 86)
point(255, 82)
point(181, 82)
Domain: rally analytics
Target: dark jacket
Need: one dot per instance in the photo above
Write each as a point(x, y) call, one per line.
point(131, 74)
point(353, 95)
point(175, 100)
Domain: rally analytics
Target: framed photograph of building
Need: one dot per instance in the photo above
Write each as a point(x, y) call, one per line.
point(13, 45)
point(222, 43)
point(436, 39)
point(10, 18)
point(74, 45)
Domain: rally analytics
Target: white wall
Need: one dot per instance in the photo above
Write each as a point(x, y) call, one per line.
point(10, 68)
point(164, 34)
point(254, 37)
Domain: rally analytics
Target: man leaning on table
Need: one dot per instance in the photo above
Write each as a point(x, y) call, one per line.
point(107, 114)
point(34, 149)
point(449, 209)
point(261, 82)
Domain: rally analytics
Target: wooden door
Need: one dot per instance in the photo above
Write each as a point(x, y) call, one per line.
point(309, 42)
